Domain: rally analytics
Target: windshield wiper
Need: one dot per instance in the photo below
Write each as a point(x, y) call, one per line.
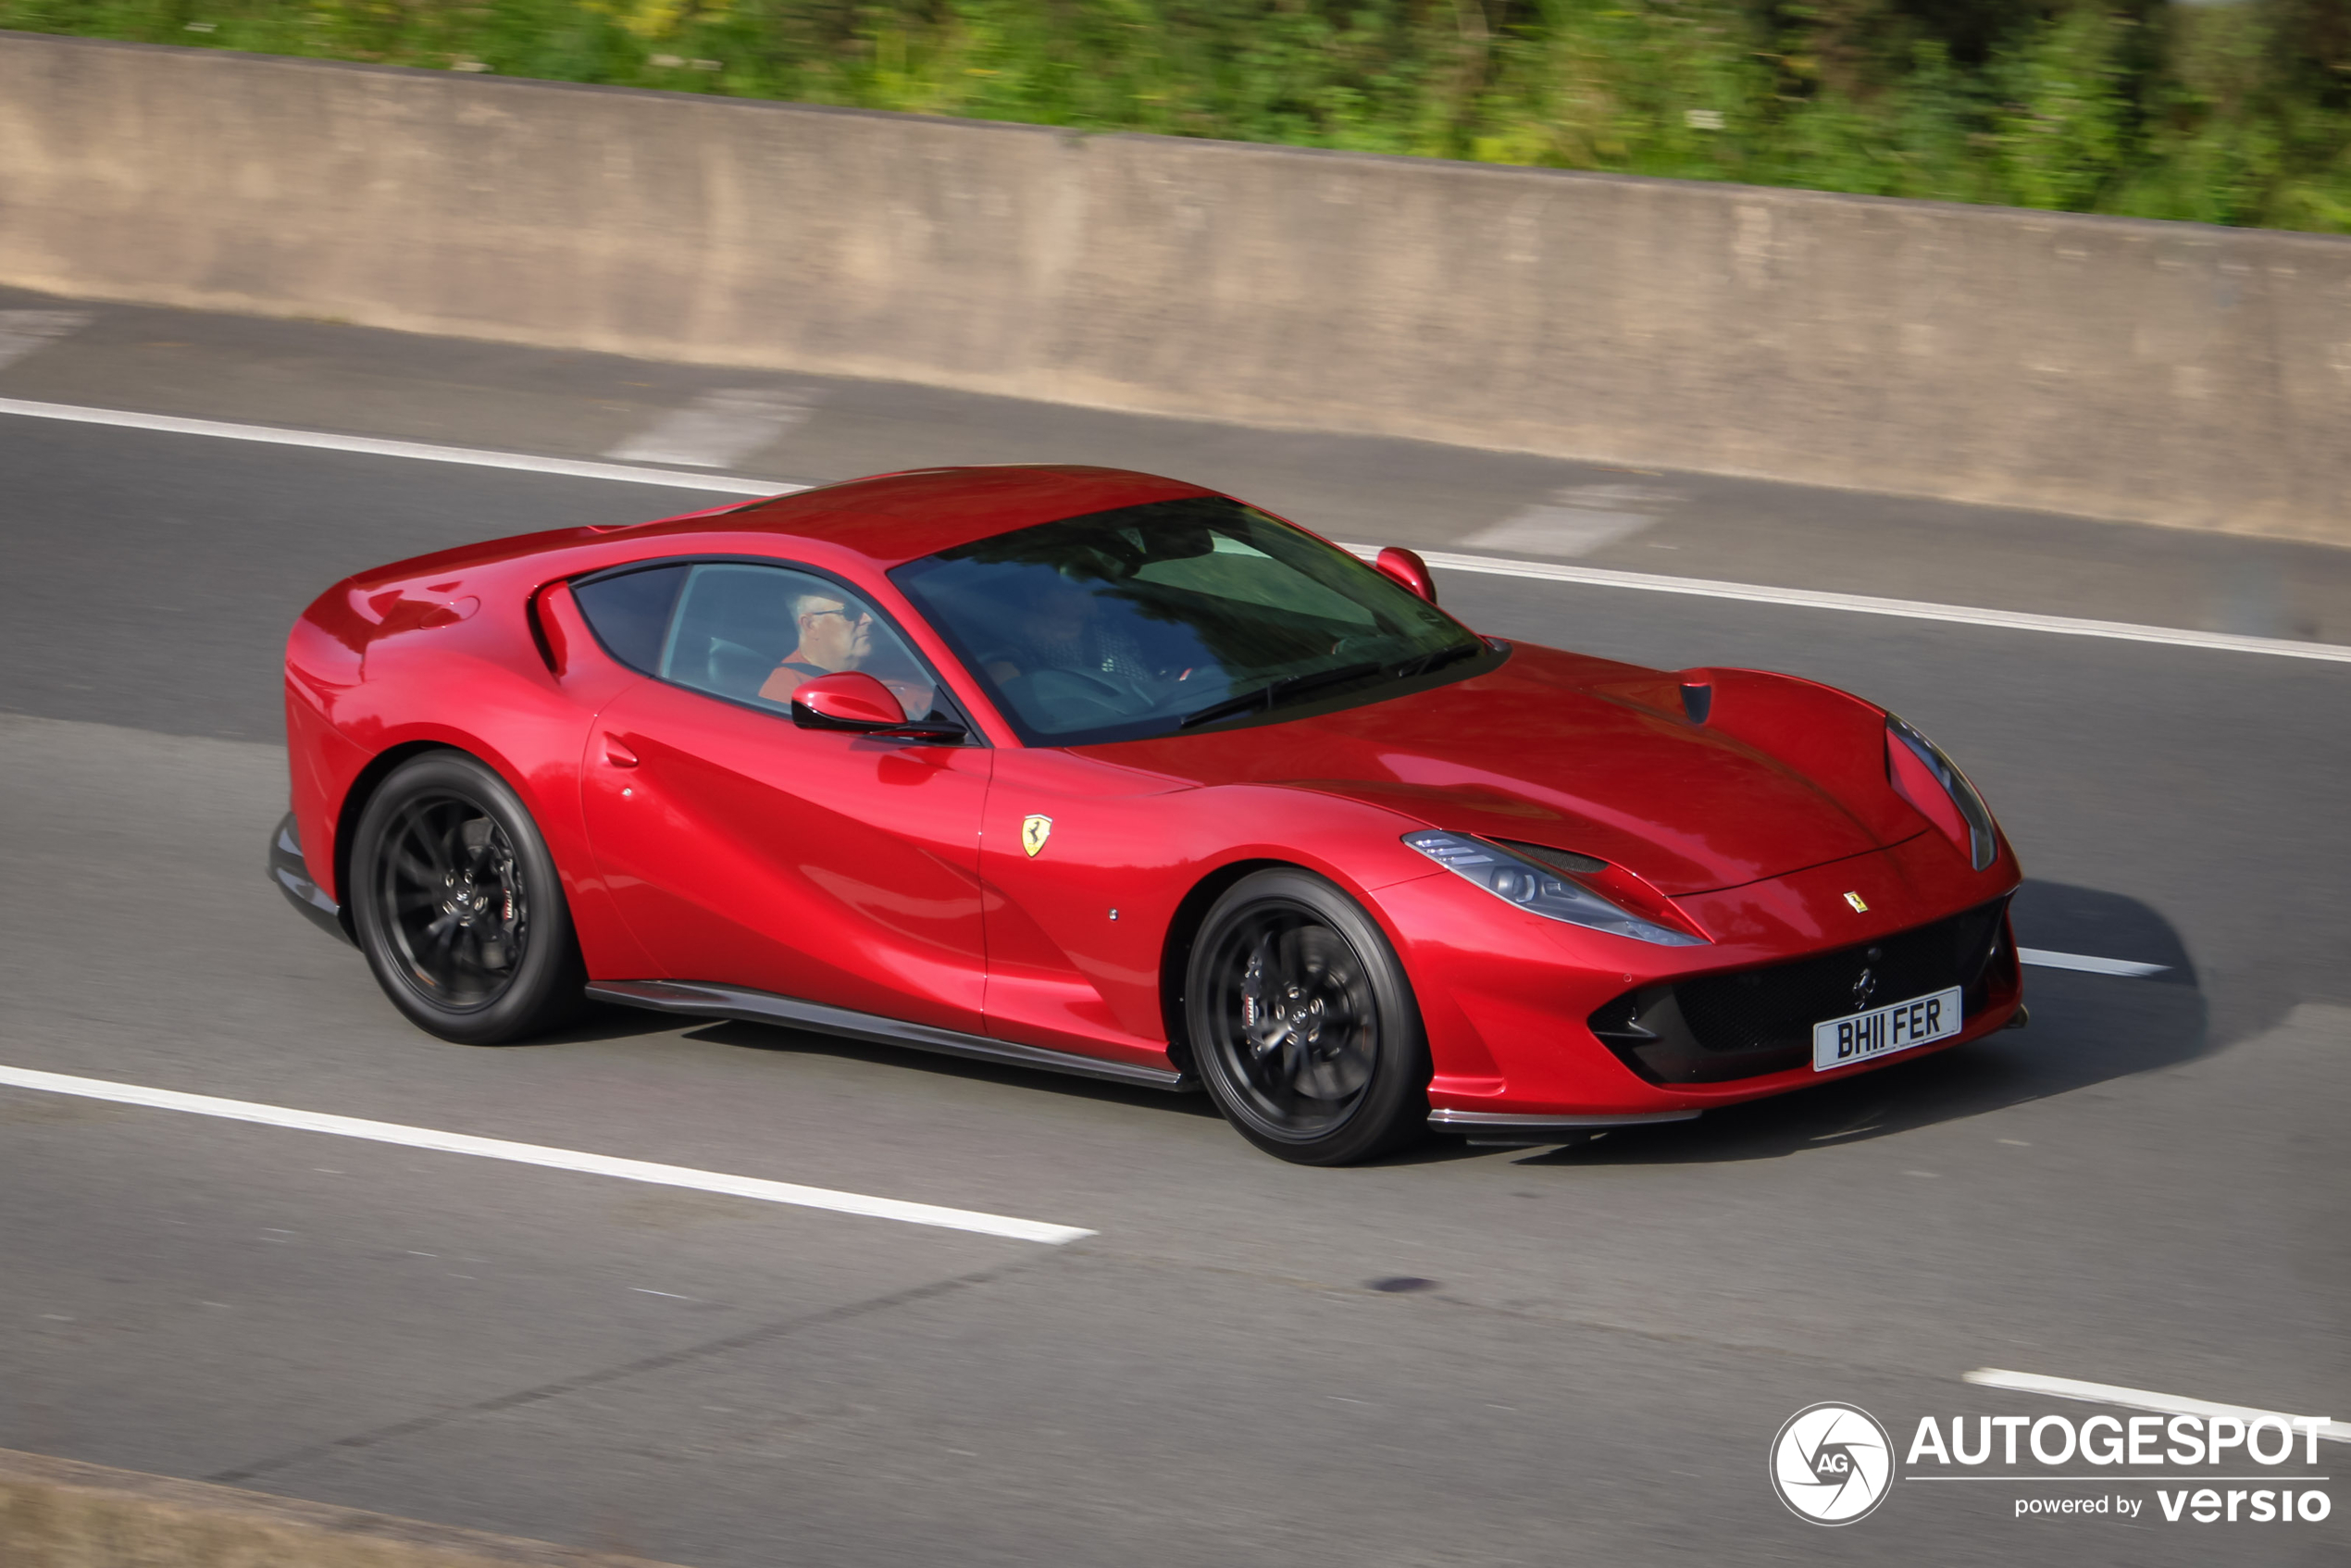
point(1436, 661)
point(1315, 680)
point(1267, 695)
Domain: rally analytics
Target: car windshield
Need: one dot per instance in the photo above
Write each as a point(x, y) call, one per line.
point(1171, 617)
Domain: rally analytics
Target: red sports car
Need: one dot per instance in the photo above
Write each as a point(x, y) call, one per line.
point(1089, 770)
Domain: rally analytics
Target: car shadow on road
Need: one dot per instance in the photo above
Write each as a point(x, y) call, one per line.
point(602, 1022)
point(2086, 1029)
point(775, 1038)
point(2060, 918)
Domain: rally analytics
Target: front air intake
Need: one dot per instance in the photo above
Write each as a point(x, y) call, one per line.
point(1747, 1023)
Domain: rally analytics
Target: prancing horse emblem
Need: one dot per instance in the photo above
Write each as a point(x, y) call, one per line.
point(1034, 831)
point(1859, 906)
point(1864, 988)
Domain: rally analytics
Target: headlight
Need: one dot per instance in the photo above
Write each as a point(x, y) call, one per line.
point(1924, 776)
point(1540, 892)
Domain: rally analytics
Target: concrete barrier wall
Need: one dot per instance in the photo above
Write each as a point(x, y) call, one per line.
point(2171, 373)
point(58, 1513)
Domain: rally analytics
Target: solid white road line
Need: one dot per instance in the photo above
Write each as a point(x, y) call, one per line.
point(418, 451)
point(1861, 603)
point(1910, 609)
point(2133, 1399)
point(2044, 958)
point(554, 1159)
point(21, 331)
point(716, 428)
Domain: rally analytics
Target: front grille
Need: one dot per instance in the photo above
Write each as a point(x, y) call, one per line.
point(1751, 1022)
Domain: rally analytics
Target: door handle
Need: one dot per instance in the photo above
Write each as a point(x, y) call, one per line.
point(618, 755)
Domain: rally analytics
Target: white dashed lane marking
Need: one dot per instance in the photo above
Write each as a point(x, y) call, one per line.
point(552, 1159)
point(2089, 964)
point(422, 452)
point(717, 428)
point(1578, 520)
point(2137, 1399)
point(21, 331)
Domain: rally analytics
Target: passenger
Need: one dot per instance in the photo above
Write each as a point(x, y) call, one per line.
point(833, 637)
point(1066, 629)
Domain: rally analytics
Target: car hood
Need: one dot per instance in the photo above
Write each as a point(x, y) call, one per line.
point(1577, 753)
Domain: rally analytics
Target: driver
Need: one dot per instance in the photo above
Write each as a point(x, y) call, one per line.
point(838, 634)
point(833, 637)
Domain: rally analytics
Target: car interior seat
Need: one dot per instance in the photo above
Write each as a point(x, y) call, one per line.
point(733, 670)
point(732, 628)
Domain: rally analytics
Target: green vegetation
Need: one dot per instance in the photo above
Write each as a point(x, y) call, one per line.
point(2225, 114)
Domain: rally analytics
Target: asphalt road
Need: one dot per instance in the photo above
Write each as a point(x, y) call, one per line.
point(2147, 1188)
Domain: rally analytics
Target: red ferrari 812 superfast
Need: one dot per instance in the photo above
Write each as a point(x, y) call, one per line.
point(1093, 771)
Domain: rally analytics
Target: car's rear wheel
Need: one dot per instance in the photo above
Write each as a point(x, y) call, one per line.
point(457, 906)
point(1302, 1024)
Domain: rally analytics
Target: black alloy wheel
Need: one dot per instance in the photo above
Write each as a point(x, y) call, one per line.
point(457, 906)
point(1303, 1025)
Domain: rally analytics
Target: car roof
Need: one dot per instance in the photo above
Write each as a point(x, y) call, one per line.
point(890, 519)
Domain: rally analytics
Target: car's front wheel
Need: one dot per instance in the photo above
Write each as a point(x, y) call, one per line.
point(456, 904)
point(1303, 1025)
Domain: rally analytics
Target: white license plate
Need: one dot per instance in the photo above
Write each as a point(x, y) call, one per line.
point(1881, 1031)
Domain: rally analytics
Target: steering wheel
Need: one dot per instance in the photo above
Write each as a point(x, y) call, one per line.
point(1055, 688)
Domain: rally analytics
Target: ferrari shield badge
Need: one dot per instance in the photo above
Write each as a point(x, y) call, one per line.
point(1034, 831)
point(1854, 899)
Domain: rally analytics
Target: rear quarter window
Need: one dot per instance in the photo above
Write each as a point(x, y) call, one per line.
point(630, 613)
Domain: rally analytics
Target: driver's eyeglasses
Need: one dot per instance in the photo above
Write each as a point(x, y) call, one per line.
point(852, 616)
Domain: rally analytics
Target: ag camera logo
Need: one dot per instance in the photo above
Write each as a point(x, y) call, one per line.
point(1832, 1463)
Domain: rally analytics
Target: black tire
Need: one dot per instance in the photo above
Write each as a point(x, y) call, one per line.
point(458, 908)
point(1348, 1083)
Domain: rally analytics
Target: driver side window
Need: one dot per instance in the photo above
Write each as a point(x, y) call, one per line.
point(751, 633)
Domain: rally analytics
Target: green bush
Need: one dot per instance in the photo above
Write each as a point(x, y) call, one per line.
point(2232, 114)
